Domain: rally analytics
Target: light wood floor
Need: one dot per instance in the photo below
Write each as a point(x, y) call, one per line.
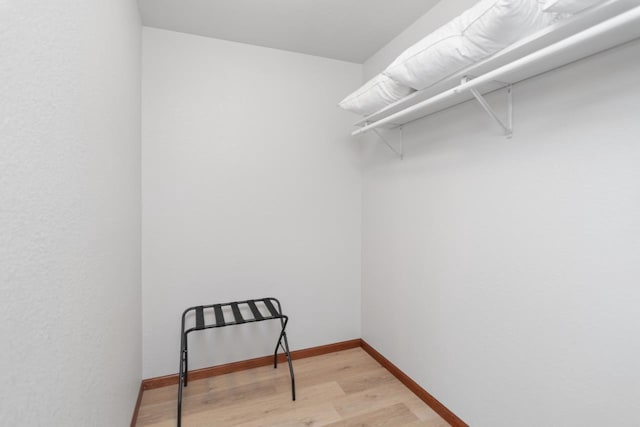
point(342, 389)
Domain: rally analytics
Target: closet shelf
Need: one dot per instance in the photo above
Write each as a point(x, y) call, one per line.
point(612, 24)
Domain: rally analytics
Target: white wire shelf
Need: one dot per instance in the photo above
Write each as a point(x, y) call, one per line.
point(609, 25)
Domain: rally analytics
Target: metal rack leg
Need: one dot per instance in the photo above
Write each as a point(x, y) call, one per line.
point(183, 353)
point(275, 353)
point(285, 348)
point(293, 380)
point(186, 360)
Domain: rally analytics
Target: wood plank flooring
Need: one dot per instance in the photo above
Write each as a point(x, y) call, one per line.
point(342, 389)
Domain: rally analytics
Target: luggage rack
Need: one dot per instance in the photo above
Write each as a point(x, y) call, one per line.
point(218, 312)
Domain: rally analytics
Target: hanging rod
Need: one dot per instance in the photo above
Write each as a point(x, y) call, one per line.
point(605, 35)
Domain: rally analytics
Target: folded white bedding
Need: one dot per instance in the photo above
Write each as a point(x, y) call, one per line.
point(478, 33)
point(377, 93)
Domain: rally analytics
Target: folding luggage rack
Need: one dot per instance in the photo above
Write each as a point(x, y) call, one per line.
point(220, 322)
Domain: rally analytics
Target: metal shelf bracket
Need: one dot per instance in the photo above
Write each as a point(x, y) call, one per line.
point(394, 140)
point(506, 125)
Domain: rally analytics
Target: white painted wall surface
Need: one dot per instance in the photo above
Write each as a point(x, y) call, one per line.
point(69, 212)
point(502, 275)
point(251, 188)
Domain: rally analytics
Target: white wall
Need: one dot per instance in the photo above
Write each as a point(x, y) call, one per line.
point(502, 275)
point(251, 188)
point(69, 212)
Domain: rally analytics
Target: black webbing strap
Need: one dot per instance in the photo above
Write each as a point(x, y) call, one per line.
point(254, 309)
point(236, 312)
point(199, 318)
point(271, 308)
point(217, 308)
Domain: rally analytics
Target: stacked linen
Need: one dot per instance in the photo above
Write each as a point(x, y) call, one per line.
point(480, 32)
point(377, 93)
point(483, 30)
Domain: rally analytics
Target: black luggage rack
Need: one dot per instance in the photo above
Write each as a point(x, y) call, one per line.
point(220, 322)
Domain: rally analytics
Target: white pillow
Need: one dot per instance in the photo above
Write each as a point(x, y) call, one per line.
point(568, 6)
point(377, 93)
point(481, 31)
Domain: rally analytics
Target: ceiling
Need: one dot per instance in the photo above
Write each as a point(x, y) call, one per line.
point(350, 30)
